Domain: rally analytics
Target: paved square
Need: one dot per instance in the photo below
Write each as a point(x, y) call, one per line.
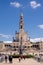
point(23, 62)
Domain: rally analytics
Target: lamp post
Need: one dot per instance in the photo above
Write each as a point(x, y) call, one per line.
point(20, 50)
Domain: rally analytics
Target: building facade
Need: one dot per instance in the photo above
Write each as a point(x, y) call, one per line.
point(21, 40)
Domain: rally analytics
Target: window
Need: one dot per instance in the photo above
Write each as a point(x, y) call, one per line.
point(14, 49)
point(28, 46)
point(25, 46)
point(14, 46)
point(17, 46)
point(21, 26)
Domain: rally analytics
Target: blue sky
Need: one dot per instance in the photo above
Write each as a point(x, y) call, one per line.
point(10, 18)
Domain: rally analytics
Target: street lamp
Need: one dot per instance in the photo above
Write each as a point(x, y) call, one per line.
point(20, 49)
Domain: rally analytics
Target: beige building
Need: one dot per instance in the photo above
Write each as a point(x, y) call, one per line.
point(41, 46)
point(21, 39)
point(21, 36)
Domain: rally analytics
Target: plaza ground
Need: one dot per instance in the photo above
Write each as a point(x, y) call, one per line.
point(23, 62)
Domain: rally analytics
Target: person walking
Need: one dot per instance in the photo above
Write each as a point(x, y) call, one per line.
point(5, 58)
point(19, 59)
point(10, 58)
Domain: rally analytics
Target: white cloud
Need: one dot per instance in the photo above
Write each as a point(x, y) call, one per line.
point(7, 41)
point(15, 4)
point(36, 40)
point(3, 35)
point(40, 26)
point(34, 4)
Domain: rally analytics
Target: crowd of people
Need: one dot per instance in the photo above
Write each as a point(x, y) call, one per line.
point(6, 58)
point(9, 57)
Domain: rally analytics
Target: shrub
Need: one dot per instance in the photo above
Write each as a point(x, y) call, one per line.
point(28, 56)
point(25, 56)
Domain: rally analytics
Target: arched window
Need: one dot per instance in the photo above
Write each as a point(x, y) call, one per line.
point(25, 46)
point(21, 26)
point(17, 46)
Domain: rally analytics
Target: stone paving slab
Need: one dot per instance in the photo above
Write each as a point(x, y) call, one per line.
point(23, 62)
